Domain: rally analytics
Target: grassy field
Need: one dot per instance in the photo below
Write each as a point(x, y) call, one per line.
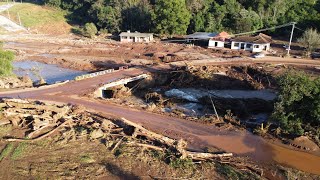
point(39, 18)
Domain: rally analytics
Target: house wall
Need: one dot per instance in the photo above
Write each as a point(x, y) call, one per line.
point(215, 44)
point(250, 46)
point(128, 39)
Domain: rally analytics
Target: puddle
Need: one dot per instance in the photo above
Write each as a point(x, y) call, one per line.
point(51, 73)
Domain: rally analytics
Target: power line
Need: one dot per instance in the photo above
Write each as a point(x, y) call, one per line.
point(265, 29)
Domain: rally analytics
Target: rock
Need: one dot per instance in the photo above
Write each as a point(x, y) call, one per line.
point(303, 142)
point(96, 134)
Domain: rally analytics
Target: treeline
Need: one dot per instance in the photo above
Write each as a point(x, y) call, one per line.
point(188, 16)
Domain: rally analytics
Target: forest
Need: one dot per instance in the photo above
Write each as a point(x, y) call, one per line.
point(178, 17)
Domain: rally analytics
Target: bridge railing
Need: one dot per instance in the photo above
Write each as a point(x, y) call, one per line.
point(100, 73)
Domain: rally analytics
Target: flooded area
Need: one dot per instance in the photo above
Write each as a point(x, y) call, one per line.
point(265, 152)
point(193, 95)
point(51, 73)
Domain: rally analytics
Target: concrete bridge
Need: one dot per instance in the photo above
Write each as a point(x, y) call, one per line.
point(100, 91)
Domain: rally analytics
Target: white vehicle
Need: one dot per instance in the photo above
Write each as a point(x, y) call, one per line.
point(259, 55)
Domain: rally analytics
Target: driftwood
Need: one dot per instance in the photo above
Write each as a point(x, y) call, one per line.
point(204, 156)
point(40, 137)
point(141, 130)
point(117, 145)
point(145, 146)
point(180, 145)
point(63, 110)
point(4, 122)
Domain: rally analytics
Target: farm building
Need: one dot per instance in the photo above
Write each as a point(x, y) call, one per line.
point(257, 43)
point(135, 37)
point(218, 40)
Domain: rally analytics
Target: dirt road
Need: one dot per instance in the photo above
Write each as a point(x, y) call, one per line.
point(198, 135)
point(6, 23)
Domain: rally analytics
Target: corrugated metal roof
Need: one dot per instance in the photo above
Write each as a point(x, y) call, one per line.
point(201, 35)
point(260, 39)
point(136, 34)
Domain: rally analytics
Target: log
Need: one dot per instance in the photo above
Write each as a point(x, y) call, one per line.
point(145, 146)
point(202, 156)
point(63, 110)
point(117, 145)
point(39, 137)
point(161, 138)
point(5, 122)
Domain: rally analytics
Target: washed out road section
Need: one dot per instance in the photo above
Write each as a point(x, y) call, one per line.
point(198, 135)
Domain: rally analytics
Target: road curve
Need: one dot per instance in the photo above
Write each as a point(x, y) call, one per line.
point(198, 135)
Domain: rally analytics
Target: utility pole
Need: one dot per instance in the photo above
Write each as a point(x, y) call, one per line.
point(291, 36)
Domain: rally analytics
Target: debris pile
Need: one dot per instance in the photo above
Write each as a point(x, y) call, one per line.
point(15, 82)
point(40, 120)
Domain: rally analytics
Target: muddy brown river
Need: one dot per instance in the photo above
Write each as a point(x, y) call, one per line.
point(265, 152)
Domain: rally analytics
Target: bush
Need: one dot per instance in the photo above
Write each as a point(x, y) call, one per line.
point(53, 3)
point(90, 30)
point(298, 103)
point(6, 58)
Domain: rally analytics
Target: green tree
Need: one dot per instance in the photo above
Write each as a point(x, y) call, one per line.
point(298, 103)
point(310, 40)
point(90, 30)
point(53, 3)
point(171, 17)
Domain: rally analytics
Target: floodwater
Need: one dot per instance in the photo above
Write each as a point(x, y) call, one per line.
point(193, 95)
point(51, 73)
point(262, 151)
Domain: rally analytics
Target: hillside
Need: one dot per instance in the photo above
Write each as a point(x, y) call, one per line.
point(40, 19)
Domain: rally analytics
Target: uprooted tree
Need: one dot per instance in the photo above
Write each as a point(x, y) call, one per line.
point(299, 102)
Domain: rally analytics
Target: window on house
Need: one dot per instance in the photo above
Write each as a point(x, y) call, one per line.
point(256, 46)
point(236, 44)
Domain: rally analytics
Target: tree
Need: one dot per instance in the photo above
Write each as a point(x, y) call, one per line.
point(53, 3)
point(298, 103)
point(310, 40)
point(90, 30)
point(171, 17)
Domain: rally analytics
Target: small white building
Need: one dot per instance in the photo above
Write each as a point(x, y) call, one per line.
point(218, 41)
point(128, 37)
point(257, 43)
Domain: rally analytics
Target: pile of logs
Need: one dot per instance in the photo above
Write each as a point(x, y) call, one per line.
point(41, 120)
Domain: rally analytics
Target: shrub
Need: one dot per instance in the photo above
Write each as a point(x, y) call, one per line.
point(53, 3)
point(298, 103)
point(90, 30)
point(6, 58)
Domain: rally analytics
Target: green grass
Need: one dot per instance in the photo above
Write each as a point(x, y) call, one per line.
point(19, 151)
point(231, 173)
point(86, 159)
point(6, 151)
point(4, 130)
point(33, 15)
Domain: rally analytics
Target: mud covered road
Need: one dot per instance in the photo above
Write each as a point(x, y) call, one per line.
point(198, 135)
